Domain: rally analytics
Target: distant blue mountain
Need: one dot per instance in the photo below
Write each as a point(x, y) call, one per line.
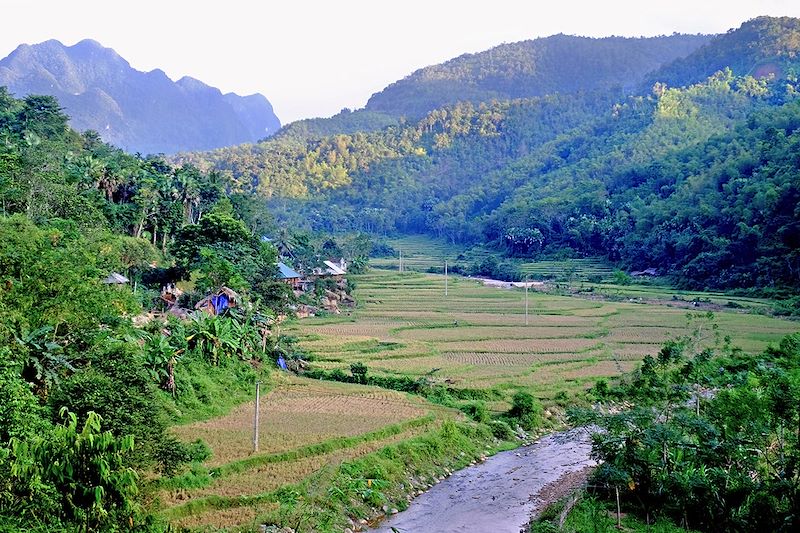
point(139, 111)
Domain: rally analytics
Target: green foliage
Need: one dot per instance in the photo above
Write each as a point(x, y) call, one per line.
point(723, 460)
point(359, 372)
point(172, 454)
point(74, 474)
point(501, 430)
point(115, 385)
point(621, 278)
point(525, 410)
point(75, 210)
point(476, 410)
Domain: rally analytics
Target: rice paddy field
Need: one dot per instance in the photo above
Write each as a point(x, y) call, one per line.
point(305, 425)
point(581, 275)
point(476, 337)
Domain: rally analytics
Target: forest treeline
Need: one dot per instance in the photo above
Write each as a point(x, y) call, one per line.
point(89, 377)
point(699, 181)
point(708, 438)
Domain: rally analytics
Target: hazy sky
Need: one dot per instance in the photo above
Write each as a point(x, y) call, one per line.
point(312, 58)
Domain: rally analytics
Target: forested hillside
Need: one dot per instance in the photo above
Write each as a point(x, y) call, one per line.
point(765, 46)
point(665, 179)
point(85, 395)
point(555, 64)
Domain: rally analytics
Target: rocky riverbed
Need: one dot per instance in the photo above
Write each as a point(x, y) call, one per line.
point(501, 494)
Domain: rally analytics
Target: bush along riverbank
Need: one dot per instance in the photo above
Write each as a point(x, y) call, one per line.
point(705, 440)
point(354, 494)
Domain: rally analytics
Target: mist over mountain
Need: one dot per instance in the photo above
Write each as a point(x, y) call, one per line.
point(138, 111)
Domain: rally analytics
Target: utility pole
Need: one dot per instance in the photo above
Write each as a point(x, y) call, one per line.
point(255, 421)
point(526, 300)
point(445, 277)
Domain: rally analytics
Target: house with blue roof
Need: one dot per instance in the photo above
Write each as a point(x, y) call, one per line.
point(288, 275)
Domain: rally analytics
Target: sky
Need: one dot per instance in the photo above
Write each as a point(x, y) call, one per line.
point(314, 57)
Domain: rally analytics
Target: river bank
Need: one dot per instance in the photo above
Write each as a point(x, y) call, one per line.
point(502, 493)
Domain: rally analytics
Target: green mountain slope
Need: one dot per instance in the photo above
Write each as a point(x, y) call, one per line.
point(555, 64)
point(760, 47)
point(639, 179)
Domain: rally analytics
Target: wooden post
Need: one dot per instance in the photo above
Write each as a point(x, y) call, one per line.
point(401, 260)
point(255, 420)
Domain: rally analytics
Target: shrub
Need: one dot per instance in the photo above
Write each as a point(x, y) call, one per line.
point(621, 278)
point(501, 429)
point(171, 454)
point(525, 410)
point(359, 372)
point(476, 410)
point(600, 389)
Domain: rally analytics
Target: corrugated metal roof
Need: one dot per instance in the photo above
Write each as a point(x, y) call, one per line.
point(334, 269)
point(287, 272)
point(115, 279)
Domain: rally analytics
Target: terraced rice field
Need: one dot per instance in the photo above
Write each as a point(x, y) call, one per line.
point(305, 425)
point(298, 413)
point(477, 336)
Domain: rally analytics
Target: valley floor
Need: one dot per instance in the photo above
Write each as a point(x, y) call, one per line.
point(474, 338)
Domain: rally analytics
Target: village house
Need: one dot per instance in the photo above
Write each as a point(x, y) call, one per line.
point(218, 302)
point(289, 275)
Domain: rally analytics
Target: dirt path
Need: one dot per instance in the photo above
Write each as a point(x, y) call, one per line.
point(501, 494)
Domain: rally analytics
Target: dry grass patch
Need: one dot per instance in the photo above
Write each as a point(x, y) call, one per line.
point(476, 333)
point(242, 517)
point(352, 330)
point(299, 412)
point(640, 335)
point(269, 477)
point(634, 351)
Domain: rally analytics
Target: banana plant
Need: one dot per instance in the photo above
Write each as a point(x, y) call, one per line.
point(160, 360)
point(212, 336)
point(45, 362)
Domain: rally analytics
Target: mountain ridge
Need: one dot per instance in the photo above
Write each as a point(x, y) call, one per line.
point(534, 67)
point(139, 111)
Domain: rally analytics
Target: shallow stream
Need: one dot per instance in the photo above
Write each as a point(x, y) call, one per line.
point(499, 495)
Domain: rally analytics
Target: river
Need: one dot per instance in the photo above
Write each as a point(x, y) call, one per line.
point(501, 494)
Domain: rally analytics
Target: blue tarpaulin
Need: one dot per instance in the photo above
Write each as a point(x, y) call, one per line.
point(282, 362)
point(220, 303)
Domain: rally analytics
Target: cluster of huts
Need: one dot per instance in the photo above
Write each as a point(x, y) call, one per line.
point(334, 295)
point(302, 283)
point(217, 302)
